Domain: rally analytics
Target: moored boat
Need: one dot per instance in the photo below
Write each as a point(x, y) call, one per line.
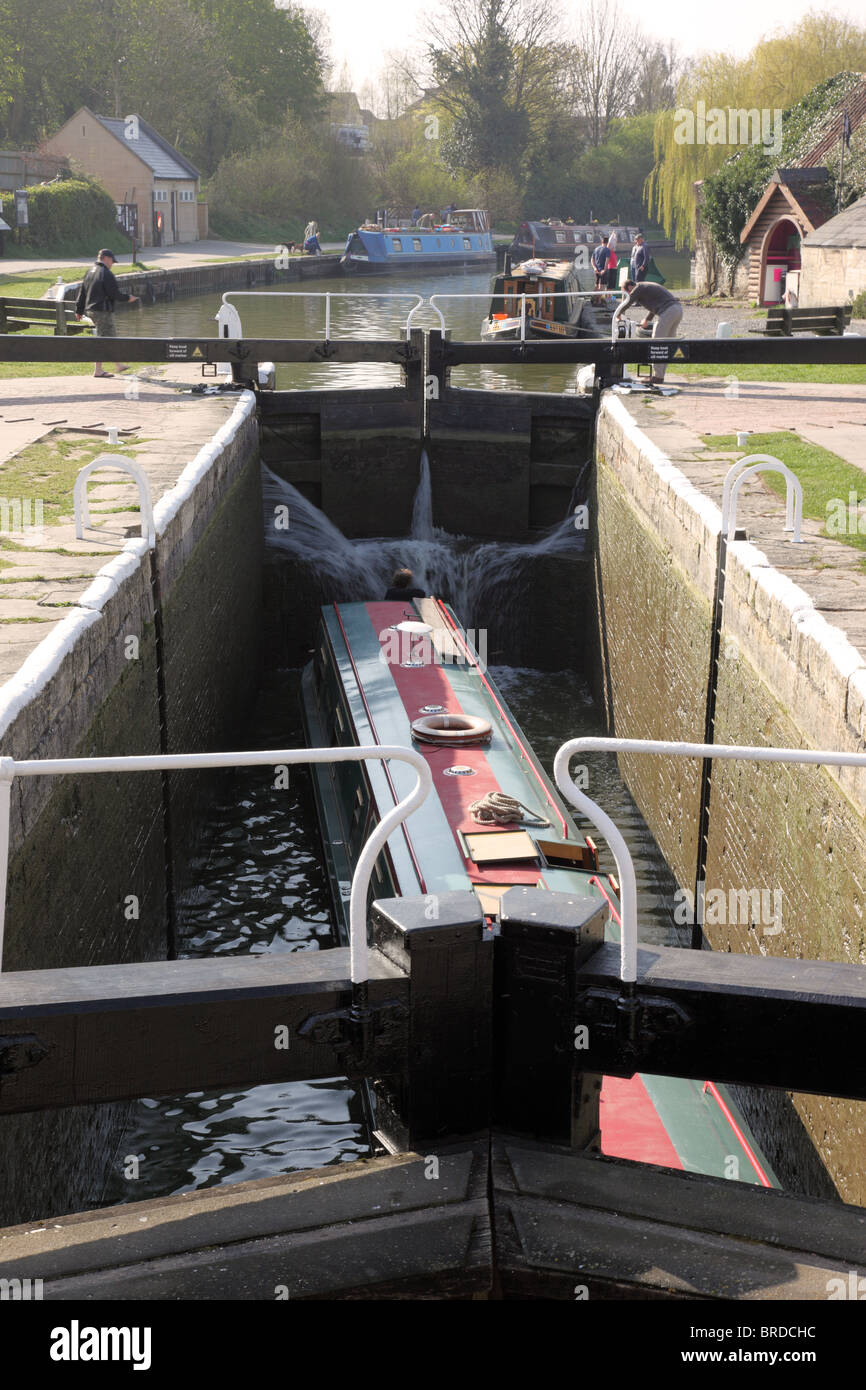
point(406, 673)
point(464, 238)
point(560, 302)
point(554, 238)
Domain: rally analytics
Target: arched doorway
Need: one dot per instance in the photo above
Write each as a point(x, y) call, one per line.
point(780, 254)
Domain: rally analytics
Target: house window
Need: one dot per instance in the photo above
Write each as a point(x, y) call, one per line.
point(396, 243)
point(416, 244)
point(467, 244)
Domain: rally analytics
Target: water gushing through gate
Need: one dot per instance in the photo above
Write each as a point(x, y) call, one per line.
point(477, 579)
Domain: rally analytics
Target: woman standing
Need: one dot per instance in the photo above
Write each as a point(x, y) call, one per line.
point(611, 261)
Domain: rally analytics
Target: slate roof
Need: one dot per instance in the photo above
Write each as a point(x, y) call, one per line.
point(162, 158)
point(847, 228)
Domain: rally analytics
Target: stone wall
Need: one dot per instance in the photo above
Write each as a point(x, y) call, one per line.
point(87, 878)
point(831, 274)
point(786, 678)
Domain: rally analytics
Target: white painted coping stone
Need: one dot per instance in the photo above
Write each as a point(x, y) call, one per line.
point(45, 660)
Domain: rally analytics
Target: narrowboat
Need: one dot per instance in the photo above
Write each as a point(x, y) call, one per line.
point(407, 673)
point(554, 238)
point(561, 302)
point(464, 239)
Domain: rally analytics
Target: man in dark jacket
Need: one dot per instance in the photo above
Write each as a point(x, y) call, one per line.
point(600, 258)
point(97, 297)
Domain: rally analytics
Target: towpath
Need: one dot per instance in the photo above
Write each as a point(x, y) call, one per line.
point(44, 570)
point(157, 257)
point(830, 571)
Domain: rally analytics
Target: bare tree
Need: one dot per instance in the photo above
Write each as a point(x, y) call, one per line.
point(601, 68)
point(659, 72)
point(493, 63)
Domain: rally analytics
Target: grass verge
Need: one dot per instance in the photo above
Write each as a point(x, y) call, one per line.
point(822, 374)
point(46, 472)
point(827, 480)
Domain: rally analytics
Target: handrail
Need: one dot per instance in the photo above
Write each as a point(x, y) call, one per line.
point(618, 846)
point(536, 294)
point(762, 463)
point(62, 767)
point(225, 320)
point(124, 465)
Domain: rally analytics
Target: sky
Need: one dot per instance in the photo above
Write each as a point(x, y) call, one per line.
point(362, 31)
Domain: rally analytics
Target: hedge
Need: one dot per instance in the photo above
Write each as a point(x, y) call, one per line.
point(73, 217)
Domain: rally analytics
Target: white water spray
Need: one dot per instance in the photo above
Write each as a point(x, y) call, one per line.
point(484, 582)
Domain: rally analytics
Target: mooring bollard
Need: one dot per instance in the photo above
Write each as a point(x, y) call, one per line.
point(444, 1088)
point(543, 939)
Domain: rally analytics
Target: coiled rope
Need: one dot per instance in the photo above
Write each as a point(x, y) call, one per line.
point(497, 808)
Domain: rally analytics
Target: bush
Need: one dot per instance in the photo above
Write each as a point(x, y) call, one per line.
point(273, 191)
point(858, 308)
point(71, 218)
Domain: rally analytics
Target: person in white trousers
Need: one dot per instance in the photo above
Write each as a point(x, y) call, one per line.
point(663, 310)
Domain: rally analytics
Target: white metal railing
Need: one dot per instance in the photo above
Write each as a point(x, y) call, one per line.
point(178, 762)
point(618, 846)
point(124, 465)
point(230, 322)
point(433, 303)
point(762, 463)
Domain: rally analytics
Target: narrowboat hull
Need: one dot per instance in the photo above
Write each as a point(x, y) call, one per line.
point(368, 682)
point(372, 251)
point(560, 298)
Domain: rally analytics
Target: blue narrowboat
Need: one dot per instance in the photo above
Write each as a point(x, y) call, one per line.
point(464, 239)
point(407, 673)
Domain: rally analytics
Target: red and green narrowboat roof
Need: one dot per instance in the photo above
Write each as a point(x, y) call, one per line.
point(367, 684)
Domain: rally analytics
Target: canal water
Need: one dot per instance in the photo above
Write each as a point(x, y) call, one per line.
point(261, 887)
point(259, 876)
point(364, 307)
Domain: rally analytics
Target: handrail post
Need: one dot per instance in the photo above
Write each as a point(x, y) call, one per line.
point(178, 762)
point(7, 772)
point(327, 318)
point(762, 463)
point(80, 503)
point(817, 757)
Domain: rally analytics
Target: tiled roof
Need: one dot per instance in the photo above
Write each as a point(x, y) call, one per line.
point(829, 140)
point(847, 228)
point(159, 156)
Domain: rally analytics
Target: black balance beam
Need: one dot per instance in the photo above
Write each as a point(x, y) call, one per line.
point(115, 1032)
point(758, 1020)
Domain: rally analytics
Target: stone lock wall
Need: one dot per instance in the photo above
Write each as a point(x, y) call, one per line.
point(87, 874)
point(786, 678)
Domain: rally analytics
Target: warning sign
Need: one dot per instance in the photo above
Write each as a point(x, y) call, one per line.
point(662, 352)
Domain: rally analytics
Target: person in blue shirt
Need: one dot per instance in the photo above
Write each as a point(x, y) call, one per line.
point(600, 258)
point(640, 258)
point(416, 213)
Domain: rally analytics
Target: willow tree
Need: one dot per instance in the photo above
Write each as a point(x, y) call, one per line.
point(781, 69)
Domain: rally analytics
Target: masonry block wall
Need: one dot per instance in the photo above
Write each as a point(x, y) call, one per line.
point(87, 856)
point(787, 679)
